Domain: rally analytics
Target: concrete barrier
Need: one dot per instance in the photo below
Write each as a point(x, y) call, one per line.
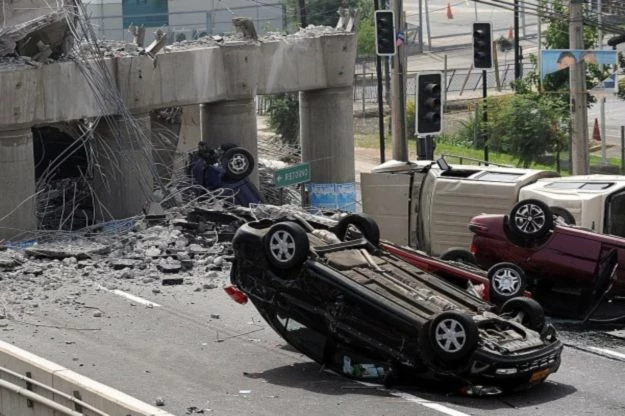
point(31, 385)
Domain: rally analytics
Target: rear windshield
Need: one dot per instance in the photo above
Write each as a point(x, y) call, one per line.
point(587, 186)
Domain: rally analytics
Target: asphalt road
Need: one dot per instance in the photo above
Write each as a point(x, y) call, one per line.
point(200, 350)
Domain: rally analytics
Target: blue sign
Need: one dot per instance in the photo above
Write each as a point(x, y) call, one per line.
point(148, 13)
point(553, 60)
point(340, 196)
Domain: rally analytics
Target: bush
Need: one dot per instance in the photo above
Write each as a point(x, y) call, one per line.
point(284, 117)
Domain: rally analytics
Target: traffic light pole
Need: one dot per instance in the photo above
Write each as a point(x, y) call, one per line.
point(378, 70)
point(398, 110)
point(485, 113)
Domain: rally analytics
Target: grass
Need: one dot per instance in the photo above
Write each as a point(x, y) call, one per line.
point(372, 141)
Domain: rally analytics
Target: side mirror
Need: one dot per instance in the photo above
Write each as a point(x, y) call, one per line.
point(442, 164)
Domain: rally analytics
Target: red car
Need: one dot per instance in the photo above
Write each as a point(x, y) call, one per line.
point(501, 282)
point(554, 256)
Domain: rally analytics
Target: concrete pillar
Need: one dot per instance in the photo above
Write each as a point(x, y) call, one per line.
point(124, 177)
point(327, 134)
point(226, 122)
point(17, 182)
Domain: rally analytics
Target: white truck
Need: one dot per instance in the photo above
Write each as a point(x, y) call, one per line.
point(428, 206)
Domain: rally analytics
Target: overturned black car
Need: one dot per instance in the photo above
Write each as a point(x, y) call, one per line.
point(365, 313)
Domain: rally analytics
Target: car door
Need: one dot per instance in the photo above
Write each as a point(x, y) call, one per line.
point(568, 255)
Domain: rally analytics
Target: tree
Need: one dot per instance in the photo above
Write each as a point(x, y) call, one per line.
point(284, 117)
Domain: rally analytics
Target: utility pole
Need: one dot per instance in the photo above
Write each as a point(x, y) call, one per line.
point(398, 90)
point(517, 46)
point(301, 4)
point(378, 71)
point(579, 112)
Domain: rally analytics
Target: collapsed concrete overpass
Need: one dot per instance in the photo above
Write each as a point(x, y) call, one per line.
point(223, 78)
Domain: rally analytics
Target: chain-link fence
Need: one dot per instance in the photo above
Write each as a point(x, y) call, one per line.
point(182, 20)
point(459, 81)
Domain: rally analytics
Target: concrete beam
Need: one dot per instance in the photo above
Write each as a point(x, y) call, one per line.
point(60, 92)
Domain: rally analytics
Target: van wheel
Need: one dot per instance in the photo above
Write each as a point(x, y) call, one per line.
point(286, 245)
point(453, 335)
point(461, 255)
point(525, 311)
point(238, 163)
point(363, 223)
point(530, 219)
point(507, 281)
point(562, 215)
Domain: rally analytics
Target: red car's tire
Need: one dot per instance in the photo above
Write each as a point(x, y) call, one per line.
point(365, 224)
point(286, 245)
point(507, 281)
point(453, 335)
point(526, 311)
point(530, 219)
point(461, 255)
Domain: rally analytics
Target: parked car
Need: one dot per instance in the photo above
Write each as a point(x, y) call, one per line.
point(553, 255)
point(502, 281)
point(365, 313)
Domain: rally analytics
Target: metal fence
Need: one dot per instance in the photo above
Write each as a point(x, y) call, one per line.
point(459, 81)
point(112, 23)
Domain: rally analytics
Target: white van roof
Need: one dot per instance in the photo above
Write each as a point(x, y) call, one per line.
point(583, 186)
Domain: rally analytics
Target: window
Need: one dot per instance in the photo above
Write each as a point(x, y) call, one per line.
point(587, 186)
point(304, 338)
point(499, 177)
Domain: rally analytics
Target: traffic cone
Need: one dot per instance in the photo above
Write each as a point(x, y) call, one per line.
point(510, 34)
point(450, 14)
point(596, 133)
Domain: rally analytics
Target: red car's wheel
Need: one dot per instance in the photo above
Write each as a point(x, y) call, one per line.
point(363, 223)
point(286, 245)
point(530, 219)
point(461, 255)
point(507, 281)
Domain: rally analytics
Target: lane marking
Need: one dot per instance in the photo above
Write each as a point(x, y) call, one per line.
point(429, 404)
point(608, 352)
point(132, 297)
point(418, 400)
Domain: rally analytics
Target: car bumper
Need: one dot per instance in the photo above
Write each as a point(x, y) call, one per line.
point(516, 372)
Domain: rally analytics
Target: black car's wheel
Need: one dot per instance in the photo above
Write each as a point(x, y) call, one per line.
point(530, 219)
point(453, 335)
point(525, 311)
point(238, 163)
point(286, 245)
point(461, 255)
point(562, 215)
point(363, 223)
point(507, 281)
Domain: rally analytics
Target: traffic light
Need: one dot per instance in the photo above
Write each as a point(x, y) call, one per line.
point(385, 33)
point(429, 111)
point(482, 45)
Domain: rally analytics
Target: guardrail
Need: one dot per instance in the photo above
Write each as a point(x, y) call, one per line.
point(32, 385)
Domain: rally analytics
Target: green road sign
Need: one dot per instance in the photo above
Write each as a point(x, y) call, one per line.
point(292, 175)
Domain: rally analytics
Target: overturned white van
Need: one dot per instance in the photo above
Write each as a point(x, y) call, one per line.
point(596, 202)
point(429, 207)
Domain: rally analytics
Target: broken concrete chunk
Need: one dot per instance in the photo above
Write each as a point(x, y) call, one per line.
point(169, 265)
point(120, 264)
point(80, 249)
point(172, 281)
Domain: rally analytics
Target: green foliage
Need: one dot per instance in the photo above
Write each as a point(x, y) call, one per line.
point(284, 117)
point(366, 38)
point(411, 109)
point(504, 44)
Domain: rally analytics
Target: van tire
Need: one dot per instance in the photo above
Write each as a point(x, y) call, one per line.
point(563, 214)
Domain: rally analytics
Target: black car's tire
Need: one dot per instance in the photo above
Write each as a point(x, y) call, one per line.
point(526, 311)
point(530, 219)
point(238, 163)
point(364, 223)
point(507, 281)
point(453, 335)
point(563, 215)
point(286, 245)
point(461, 255)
